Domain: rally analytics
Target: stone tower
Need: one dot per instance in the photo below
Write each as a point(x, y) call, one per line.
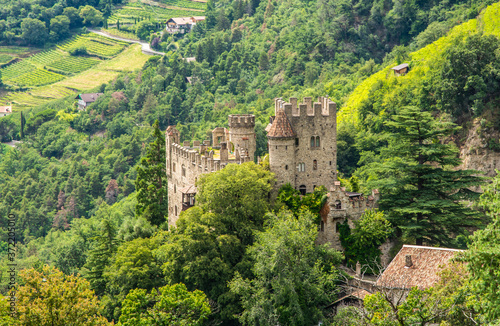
point(302, 143)
point(242, 134)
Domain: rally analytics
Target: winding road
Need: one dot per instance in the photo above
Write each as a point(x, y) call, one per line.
point(146, 49)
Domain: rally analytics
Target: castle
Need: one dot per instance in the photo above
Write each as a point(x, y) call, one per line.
point(302, 142)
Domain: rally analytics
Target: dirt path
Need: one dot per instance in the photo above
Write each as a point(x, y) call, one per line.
point(146, 49)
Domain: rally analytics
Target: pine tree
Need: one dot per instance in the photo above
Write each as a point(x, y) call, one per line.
point(151, 183)
point(421, 191)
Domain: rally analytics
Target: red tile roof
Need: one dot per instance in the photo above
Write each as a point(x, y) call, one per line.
point(426, 263)
point(281, 127)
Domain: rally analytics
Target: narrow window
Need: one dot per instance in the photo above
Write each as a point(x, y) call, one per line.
point(276, 147)
point(338, 204)
point(175, 210)
point(322, 226)
point(317, 141)
point(337, 227)
point(302, 189)
point(286, 167)
point(312, 141)
point(175, 189)
point(173, 167)
point(286, 148)
point(303, 167)
point(296, 142)
point(315, 165)
point(183, 171)
point(330, 163)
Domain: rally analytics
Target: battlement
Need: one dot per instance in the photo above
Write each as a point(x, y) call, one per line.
point(242, 121)
point(324, 107)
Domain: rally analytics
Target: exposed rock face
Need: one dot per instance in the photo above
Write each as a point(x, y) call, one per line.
point(475, 153)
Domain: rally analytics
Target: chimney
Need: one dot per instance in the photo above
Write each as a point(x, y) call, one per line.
point(408, 262)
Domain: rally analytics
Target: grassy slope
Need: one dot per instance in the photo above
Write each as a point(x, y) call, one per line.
point(421, 61)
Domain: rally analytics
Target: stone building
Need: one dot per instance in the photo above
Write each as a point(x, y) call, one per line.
point(302, 141)
point(342, 205)
point(187, 161)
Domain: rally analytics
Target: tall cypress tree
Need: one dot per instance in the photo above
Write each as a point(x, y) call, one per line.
point(422, 193)
point(23, 123)
point(151, 183)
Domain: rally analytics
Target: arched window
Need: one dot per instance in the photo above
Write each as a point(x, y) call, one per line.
point(317, 141)
point(302, 189)
point(315, 165)
point(312, 141)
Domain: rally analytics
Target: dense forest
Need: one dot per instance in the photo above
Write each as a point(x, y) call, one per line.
point(76, 182)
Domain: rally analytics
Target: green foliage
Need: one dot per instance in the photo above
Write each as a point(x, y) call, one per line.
point(363, 241)
point(151, 182)
point(422, 194)
point(238, 194)
point(208, 245)
point(79, 50)
point(144, 29)
point(49, 297)
point(483, 256)
point(171, 305)
point(90, 16)
point(34, 31)
point(293, 278)
point(297, 203)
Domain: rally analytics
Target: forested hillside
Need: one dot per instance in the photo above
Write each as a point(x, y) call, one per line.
point(71, 181)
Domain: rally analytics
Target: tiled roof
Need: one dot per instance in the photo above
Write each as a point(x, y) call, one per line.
point(281, 127)
point(5, 109)
point(401, 66)
point(189, 190)
point(89, 97)
point(426, 263)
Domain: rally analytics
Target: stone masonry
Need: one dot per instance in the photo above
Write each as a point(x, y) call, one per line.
point(187, 161)
point(302, 141)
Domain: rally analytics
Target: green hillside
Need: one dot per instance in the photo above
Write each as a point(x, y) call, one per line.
point(424, 64)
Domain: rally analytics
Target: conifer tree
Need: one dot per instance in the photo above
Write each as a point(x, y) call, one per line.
point(151, 183)
point(421, 191)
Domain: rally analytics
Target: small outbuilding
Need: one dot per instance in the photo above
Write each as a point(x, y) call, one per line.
point(401, 69)
point(85, 100)
point(5, 110)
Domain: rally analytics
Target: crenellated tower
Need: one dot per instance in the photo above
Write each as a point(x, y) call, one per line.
point(242, 134)
point(302, 143)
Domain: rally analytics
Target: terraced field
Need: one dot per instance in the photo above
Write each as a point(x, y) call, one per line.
point(73, 64)
point(54, 74)
point(95, 44)
point(37, 77)
point(101, 71)
point(157, 11)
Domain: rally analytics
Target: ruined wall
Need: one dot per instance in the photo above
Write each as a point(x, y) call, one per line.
point(186, 163)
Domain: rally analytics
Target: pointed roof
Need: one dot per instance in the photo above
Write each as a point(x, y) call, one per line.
point(281, 127)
